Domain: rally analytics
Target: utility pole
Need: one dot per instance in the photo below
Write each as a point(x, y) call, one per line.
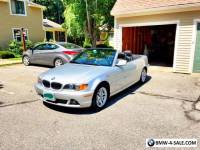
point(23, 38)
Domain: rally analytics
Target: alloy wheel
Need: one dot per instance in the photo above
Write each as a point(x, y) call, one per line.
point(58, 62)
point(26, 60)
point(101, 97)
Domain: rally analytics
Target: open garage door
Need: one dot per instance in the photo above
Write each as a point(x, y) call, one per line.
point(157, 42)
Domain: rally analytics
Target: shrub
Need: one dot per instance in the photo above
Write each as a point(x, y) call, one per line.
point(29, 44)
point(87, 43)
point(17, 47)
point(6, 55)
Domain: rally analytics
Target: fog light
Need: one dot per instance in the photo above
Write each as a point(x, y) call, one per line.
point(73, 102)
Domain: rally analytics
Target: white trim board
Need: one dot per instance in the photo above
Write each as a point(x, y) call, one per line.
point(150, 23)
point(193, 48)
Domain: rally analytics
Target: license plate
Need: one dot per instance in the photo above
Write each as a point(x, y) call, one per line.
point(48, 96)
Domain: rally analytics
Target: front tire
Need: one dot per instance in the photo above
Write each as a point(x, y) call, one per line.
point(100, 97)
point(26, 60)
point(58, 62)
point(143, 76)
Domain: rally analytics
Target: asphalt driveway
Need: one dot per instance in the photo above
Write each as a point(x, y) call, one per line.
point(165, 107)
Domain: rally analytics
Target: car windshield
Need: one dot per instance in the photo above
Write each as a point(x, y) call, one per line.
point(97, 57)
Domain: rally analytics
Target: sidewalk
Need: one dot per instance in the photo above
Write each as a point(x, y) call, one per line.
point(4, 62)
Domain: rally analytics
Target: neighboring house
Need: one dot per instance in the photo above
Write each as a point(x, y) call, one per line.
point(17, 14)
point(54, 31)
point(168, 31)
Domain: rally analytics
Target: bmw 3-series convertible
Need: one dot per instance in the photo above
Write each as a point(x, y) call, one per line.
point(91, 78)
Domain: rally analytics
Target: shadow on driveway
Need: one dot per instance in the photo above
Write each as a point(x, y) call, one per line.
point(87, 111)
point(44, 66)
point(1, 86)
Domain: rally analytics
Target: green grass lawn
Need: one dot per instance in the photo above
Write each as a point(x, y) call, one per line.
point(18, 58)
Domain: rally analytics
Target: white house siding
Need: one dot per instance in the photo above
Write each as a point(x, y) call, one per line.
point(183, 58)
point(117, 37)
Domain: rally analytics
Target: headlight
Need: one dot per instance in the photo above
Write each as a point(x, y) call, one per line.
point(76, 87)
point(39, 80)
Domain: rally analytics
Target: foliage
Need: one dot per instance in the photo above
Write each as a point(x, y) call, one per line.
point(85, 17)
point(87, 43)
point(17, 47)
point(54, 9)
point(74, 19)
point(6, 55)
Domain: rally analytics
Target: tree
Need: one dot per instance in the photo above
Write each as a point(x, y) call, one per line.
point(54, 9)
point(84, 17)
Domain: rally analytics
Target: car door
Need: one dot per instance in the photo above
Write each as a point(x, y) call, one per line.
point(131, 72)
point(121, 77)
point(37, 54)
point(49, 53)
point(128, 73)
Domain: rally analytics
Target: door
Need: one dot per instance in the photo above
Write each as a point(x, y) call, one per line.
point(129, 71)
point(37, 54)
point(49, 53)
point(196, 66)
point(122, 77)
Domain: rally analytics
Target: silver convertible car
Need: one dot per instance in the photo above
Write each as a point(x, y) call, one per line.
point(91, 78)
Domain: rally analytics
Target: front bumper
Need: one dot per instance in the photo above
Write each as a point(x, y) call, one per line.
point(84, 98)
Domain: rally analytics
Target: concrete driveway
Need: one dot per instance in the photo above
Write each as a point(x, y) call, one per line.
point(165, 107)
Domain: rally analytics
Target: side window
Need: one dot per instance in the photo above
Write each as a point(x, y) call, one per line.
point(40, 47)
point(18, 7)
point(71, 46)
point(17, 35)
point(51, 46)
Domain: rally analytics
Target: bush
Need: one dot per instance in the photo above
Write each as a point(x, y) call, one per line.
point(6, 55)
point(87, 43)
point(17, 47)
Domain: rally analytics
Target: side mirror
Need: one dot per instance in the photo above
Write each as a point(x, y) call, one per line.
point(121, 62)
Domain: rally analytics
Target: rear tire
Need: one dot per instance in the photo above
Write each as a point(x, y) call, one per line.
point(58, 62)
point(26, 60)
point(100, 97)
point(143, 76)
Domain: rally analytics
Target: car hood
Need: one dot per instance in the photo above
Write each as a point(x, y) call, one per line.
point(74, 73)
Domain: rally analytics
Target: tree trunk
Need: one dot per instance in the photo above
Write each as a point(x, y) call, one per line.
point(88, 20)
point(94, 34)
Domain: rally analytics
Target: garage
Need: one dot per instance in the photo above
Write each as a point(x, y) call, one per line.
point(166, 31)
point(157, 42)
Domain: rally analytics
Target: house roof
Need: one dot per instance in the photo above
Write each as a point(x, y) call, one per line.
point(144, 7)
point(49, 25)
point(3, 0)
point(31, 4)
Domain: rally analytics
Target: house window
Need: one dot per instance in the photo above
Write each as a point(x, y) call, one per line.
point(17, 7)
point(17, 35)
point(60, 36)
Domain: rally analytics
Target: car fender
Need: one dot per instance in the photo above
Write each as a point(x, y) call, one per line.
point(65, 59)
point(97, 81)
